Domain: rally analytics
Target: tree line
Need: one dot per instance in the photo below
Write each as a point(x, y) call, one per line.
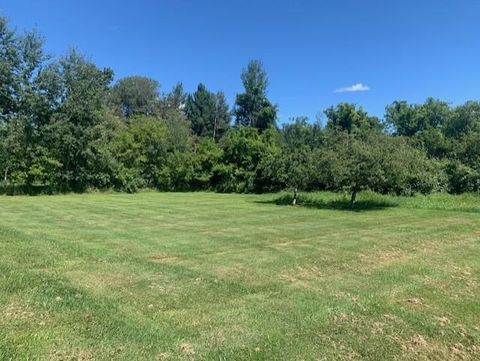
point(65, 126)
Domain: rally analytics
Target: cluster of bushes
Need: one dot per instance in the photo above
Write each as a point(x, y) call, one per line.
point(65, 127)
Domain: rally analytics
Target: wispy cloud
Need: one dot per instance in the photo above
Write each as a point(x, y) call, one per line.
point(359, 87)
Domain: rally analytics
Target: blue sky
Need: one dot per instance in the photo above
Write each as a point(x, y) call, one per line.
point(386, 50)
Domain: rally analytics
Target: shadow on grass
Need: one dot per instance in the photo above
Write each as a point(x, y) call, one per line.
point(342, 204)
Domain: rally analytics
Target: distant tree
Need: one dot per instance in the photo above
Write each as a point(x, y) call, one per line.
point(208, 113)
point(347, 117)
point(401, 117)
point(58, 131)
point(135, 95)
point(300, 132)
point(378, 163)
point(13, 151)
point(84, 88)
point(207, 158)
point(464, 119)
point(175, 100)
point(22, 60)
point(244, 149)
point(84, 93)
point(462, 177)
point(252, 108)
point(27, 97)
point(434, 113)
point(222, 116)
point(294, 166)
point(9, 63)
point(140, 150)
point(409, 120)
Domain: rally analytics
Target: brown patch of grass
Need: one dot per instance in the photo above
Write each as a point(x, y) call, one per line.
point(415, 301)
point(378, 328)
point(186, 348)
point(100, 281)
point(422, 348)
point(216, 339)
point(86, 354)
point(19, 312)
point(443, 321)
point(72, 355)
point(283, 244)
point(161, 256)
point(457, 282)
point(465, 276)
point(233, 272)
point(384, 258)
point(302, 276)
point(164, 356)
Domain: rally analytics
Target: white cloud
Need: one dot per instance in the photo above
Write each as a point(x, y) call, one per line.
point(359, 87)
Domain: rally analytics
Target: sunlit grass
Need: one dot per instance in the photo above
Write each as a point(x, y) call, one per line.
point(172, 276)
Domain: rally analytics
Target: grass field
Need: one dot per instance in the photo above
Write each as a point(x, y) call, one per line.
point(181, 276)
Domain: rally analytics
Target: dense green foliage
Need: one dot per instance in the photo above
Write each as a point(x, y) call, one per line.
point(64, 126)
point(252, 108)
point(208, 113)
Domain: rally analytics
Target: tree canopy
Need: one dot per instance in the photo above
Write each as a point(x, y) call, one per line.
point(208, 113)
point(65, 127)
point(135, 95)
point(252, 108)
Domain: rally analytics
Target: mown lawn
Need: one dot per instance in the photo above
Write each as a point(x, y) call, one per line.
point(181, 276)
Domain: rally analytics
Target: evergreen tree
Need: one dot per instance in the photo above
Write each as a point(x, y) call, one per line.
point(208, 113)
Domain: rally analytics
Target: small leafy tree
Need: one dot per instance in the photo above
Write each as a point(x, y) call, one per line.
point(378, 163)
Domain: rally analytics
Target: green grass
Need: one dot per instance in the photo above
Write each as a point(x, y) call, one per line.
point(182, 276)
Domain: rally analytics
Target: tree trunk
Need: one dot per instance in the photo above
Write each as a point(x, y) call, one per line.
point(5, 175)
point(353, 198)
point(215, 127)
point(294, 201)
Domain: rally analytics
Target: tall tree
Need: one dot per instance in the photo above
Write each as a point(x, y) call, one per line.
point(22, 59)
point(135, 95)
point(252, 108)
point(84, 94)
point(208, 113)
point(175, 99)
point(9, 63)
point(24, 105)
